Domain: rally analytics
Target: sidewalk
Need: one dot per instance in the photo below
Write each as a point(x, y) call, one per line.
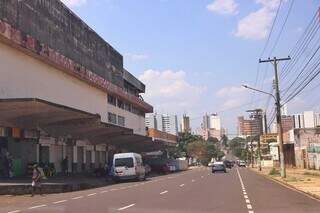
point(307, 181)
point(59, 184)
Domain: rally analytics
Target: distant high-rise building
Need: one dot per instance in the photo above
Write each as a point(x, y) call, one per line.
point(162, 122)
point(307, 119)
point(185, 124)
point(215, 122)
point(250, 127)
point(206, 121)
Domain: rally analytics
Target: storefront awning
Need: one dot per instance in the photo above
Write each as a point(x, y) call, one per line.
point(57, 120)
point(62, 121)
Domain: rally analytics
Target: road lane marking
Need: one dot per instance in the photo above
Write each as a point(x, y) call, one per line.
point(15, 211)
point(181, 185)
point(201, 176)
point(192, 180)
point(91, 194)
point(249, 206)
point(113, 189)
point(60, 201)
point(35, 207)
point(76, 198)
point(105, 191)
point(126, 207)
point(164, 192)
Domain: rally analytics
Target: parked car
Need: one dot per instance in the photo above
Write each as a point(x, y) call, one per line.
point(219, 167)
point(228, 164)
point(128, 166)
point(210, 164)
point(242, 163)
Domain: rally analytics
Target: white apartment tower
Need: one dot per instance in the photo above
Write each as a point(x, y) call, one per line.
point(215, 122)
point(162, 122)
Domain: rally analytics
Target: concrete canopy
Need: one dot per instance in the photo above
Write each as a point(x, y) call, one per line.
point(55, 119)
point(62, 121)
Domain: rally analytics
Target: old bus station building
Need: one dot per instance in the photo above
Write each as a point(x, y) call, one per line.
point(64, 91)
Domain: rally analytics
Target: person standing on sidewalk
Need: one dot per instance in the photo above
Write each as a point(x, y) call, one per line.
point(36, 180)
point(65, 164)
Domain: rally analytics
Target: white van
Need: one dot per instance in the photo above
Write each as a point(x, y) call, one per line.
point(128, 166)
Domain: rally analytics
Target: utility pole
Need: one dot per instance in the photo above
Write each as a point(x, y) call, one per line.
point(275, 61)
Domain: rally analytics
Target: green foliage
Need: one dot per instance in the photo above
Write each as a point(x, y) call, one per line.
point(237, 147)
point(274, 172)
point(213, 140)
point(224, 140)
point(194, 146)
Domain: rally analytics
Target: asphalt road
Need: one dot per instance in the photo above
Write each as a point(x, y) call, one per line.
point(196, 191)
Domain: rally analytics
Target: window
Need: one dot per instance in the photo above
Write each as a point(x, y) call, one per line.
point(112, 118)
point(120, 104)
point(127, 107)
point(121, 120)
point(112, 100)
point(123, 162)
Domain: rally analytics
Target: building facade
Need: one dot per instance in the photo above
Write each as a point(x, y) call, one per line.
point(307, 148)
point(215, 122)
point(307, 119)
point(64, 90)
point(162, 122)
point(249, 127)
point(185, 124)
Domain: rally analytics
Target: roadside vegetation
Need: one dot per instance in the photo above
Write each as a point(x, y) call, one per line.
point(194, 146)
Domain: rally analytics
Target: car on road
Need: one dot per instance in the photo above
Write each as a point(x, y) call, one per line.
point(228, 164)
point(242, 163)
point(210, 164)
point(219, 167)
point(128, 166)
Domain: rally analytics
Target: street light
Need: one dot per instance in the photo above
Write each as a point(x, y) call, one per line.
point(257, 90)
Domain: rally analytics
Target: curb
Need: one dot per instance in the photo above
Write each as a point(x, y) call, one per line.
point(287, 185)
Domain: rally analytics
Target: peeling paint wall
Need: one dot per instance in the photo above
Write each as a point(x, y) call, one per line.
point(52, 23)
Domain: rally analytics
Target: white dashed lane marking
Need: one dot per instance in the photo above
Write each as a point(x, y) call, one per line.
point(91, 194)
point(36, 207)
point(249, 206)
point(76, 198)
point(126, 207)
point(15, 211)
point(60, 201)
point(164, 192)
point(181, 185)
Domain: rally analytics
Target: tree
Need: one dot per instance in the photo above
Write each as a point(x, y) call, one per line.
point(183, 140)
point(238, 147)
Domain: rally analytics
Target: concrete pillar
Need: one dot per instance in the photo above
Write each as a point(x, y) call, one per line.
point(93, 156)
point(84, 154)
point(75, 154)
point(64, 151)
point(38, 152)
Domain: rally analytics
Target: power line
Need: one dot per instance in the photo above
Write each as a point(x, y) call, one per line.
point(282, 28)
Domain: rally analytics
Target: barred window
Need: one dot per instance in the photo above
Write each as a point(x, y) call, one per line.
point(112, 118)
point(121, 120)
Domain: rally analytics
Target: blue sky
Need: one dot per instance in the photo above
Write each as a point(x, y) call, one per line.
point(193, 55)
